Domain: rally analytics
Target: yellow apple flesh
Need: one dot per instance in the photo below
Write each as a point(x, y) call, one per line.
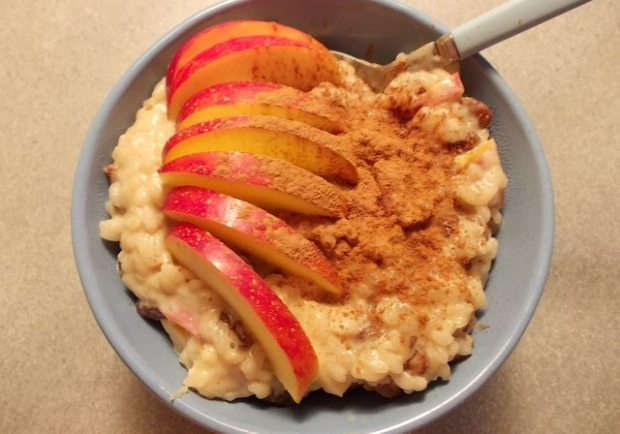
point(309, 148)
point(254, 98)
point(261, 58)
point(253, 230)
point(266, 182)
point(447, 90)
point(272, 324)
point(213, 35)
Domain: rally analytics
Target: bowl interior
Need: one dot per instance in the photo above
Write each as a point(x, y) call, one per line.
point(360, 27)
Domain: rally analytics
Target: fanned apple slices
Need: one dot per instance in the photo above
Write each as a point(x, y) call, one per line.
point(253, 230)
point(262, 57)
point(290, 351)
point(305, 146)
point(254, 98)
point(266, 182)
point(223, 32)
point(250, 138)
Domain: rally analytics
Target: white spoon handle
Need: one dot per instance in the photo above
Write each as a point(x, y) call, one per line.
point(505, 21)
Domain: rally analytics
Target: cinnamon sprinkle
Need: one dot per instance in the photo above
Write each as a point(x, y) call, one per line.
point(401, 212)
point(272, 173)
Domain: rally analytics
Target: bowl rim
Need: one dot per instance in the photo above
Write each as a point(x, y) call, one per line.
point(114, 334)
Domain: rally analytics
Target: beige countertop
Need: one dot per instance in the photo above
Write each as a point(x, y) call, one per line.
point(59, 374)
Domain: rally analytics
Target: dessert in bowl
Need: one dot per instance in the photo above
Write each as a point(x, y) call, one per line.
point(374, 348)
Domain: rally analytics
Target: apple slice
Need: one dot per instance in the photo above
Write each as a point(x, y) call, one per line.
point(272, 324)
point(228, 30)
point(253, 230)
point(254, 98)
point(262, 58)
point(474, 153)
point(447, 90)
point(300, 144)
point(266, 182)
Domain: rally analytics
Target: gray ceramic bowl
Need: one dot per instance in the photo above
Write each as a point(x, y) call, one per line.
point(516, 281)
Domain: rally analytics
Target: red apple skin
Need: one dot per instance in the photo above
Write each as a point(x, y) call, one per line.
point(304, 146)
point(229, 92)
point(253, 98)
point(213, 35)
point(259, 308)
point(447, 90)
point(263, 181)
point(252, 229)
point(260, 58)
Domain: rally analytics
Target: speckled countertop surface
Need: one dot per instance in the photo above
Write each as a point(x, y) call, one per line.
point(59, 374)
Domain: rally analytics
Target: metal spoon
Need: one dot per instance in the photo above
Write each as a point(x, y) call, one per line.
point(506, 20)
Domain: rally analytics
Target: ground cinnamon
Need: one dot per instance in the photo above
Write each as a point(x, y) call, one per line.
point(401, 211)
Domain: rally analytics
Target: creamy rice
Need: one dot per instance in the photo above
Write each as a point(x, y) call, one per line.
point(384, 335)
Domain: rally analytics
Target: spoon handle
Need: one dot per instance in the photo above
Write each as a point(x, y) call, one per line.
point(506, 20)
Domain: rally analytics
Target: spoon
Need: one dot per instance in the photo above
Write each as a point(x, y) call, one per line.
point(502, 22)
